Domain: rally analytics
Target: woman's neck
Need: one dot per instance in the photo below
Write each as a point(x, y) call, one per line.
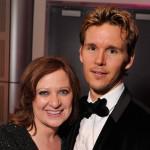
point(46, 138)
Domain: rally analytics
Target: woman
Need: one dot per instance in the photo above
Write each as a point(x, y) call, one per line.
point(49, 93)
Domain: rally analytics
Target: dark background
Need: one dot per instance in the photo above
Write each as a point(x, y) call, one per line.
point(63, 40)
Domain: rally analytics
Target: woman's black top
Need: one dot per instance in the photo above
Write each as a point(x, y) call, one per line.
point(13, 137)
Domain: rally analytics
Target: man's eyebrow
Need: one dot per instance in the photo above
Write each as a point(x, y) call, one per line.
point(114, 47)
point(90, 44)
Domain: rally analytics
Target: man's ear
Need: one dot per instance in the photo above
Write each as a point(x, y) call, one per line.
point(80, 54)
point(130, 62)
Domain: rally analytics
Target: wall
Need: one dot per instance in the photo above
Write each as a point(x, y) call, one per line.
point(39, 20)
point(39, 28)
point(141, 2)
point(4, 58)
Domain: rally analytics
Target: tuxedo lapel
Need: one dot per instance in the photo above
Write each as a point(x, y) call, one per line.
point(104, 134)
point(112, 120)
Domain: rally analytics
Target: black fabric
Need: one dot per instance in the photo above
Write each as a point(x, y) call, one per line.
point(127, 127)
point(13, 137)
point(99, 108)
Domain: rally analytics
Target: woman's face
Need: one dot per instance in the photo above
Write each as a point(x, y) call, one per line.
point(53, 102)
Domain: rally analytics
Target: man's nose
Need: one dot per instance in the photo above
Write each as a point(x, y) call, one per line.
point(100, 58)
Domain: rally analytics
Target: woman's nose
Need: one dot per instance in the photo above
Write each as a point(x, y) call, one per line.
point(54, 101)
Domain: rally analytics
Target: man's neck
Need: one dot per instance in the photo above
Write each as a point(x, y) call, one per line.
point(94, 95)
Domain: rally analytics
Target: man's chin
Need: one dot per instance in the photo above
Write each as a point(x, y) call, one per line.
point(100, 90)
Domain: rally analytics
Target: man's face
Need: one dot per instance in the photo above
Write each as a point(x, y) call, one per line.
point(104, 57)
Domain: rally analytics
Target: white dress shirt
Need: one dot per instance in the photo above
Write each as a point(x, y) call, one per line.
point(91, 127)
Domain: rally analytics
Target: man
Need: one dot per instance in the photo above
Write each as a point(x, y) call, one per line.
point(108, 37)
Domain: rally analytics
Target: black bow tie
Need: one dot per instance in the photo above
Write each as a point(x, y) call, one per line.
point(99, 108)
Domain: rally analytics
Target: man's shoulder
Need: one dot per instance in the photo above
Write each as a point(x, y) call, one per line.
point(137, 116)
point(140, 110)
point(136, 106)
point(131, 112)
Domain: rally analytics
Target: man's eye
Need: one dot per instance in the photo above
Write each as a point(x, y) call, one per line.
point(91, 48)
point(112, 50)
point(43, 93)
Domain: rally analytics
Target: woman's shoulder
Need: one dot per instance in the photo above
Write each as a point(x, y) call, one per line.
point(10, 128)
point(13, 137)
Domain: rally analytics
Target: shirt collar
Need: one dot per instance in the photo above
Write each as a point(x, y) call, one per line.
point(112, 96)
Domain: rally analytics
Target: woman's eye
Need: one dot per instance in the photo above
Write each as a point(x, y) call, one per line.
point(43, 93)
point(63, 92)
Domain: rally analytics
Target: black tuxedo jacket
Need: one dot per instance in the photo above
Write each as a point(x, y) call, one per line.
point(127, 127)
